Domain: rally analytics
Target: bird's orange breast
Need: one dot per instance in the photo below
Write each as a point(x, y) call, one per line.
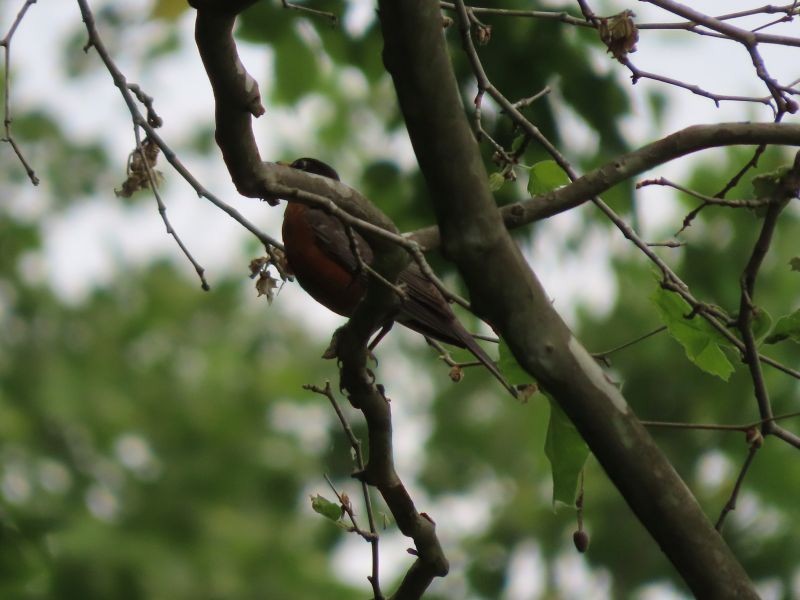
point(325, 279)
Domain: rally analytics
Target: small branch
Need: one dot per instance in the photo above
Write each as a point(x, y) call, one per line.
point(563, 17)
point(667, 244)
point(169, 155)
point(731, 503)
point(347, 507)
point(455, 367)
point(358, 455)
point(637, 73)
point(526, 102)
point(734, 181)
point(787, 188)
point(603, 356)
point(7, 120)
point(707, 199)
point(746, 309)
point(152, 117)
point(787, 436)
point(334, 20)
point(788, 9)
point(717, 427)
point(747, 38)
point(162, 209)
point(351, 350)
point(363, 267)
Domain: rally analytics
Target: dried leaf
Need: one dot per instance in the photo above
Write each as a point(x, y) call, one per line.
point(619, 34)
point(266, 285)
point(141, 164)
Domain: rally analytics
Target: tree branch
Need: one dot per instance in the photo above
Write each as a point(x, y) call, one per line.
point(595, 182)
point(237, 101)
point(507, 293)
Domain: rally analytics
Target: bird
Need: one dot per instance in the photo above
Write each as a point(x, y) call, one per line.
point(319, 253)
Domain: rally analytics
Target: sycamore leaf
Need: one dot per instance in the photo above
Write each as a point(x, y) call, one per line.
point(546, 176)
point(787, 328)
point(517, 143)
point(761, 324)
point(701, 342)
point(510, 368)
point(564, 446)
point(169, 10)
point(496, 181)
point(328, 509)
point(567, 453)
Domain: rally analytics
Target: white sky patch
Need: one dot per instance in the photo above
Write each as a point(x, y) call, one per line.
point(577, 278)
point(526, 574)
point(576, 580)
point(53, 476)
point(102, 502)
point(713, 469)
point(660, 591)
point(770, 589)
point(308, 423)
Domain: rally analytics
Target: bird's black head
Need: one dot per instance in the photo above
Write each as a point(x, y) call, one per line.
point(317, 167)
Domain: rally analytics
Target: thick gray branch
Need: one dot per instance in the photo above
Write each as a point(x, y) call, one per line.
point(506, 293)
point(683, 142)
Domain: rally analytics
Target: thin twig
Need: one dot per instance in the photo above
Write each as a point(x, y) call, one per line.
point(448, 359)
point(604, 355)
point(347, 507)
point(747, 203)
point(162, 210)
point(334, 20)
point(363, 267)
point(7, 120)
point(637, 73)
point(152, 121)
point(139, 120)
point(358, 455)
point(717, 427)
point(747, 38)
point(731, 503)
point(561, 16)
point(747, 308)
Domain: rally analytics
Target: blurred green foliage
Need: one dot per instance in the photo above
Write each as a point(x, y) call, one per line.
point(141, 455)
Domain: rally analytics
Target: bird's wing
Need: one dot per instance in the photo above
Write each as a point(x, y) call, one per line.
point(333, 239)
point(425, 309)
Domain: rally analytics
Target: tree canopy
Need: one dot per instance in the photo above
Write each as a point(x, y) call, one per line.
point(162, 441)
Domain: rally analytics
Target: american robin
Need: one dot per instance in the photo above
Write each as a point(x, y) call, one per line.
point(320, 254)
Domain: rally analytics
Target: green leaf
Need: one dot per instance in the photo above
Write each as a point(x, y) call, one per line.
point(794, 263)
point(517, 143)
point(787, 328)
point(546, 176)
point(169, 10)
point(496, 181)
point(567, 453)
point(761, 324)
point(329, 510)
point(510, 368)
point(297, 72)
point(700, 340)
